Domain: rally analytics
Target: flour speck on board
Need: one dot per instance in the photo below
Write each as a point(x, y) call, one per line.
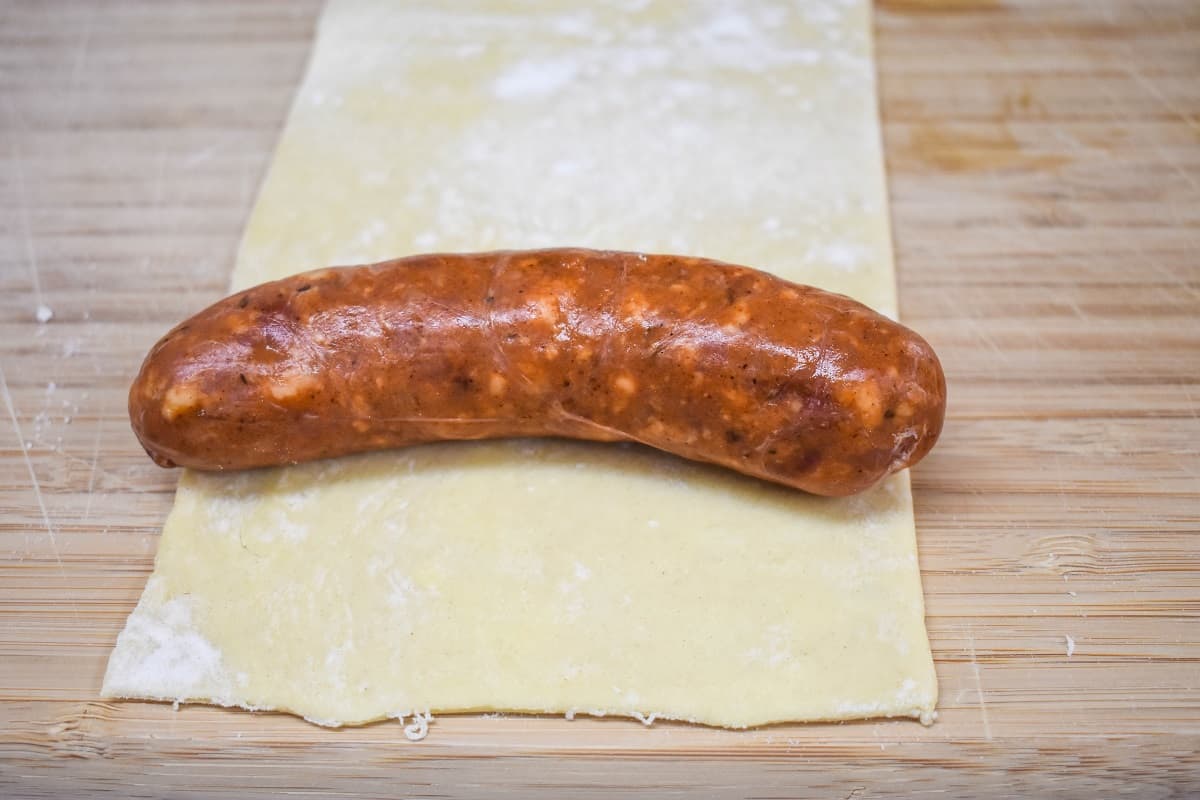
point(43, 314)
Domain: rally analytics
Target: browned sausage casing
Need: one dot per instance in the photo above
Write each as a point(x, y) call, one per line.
point(710, 361)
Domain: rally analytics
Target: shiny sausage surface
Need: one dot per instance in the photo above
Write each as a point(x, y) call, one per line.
point(709, 361)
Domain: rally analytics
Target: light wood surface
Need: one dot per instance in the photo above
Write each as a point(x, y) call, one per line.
point(1044, 162)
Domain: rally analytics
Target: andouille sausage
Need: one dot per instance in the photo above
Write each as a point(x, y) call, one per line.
point(707, 360)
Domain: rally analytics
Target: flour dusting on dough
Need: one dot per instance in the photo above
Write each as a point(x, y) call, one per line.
point(164, 656)
point(535, 78)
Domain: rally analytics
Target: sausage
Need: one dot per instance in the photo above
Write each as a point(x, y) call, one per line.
point(710, 361)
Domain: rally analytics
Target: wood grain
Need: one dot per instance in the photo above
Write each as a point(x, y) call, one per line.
point(1044, 161)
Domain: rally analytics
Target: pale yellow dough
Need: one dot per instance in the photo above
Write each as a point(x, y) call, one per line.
point(549, 576)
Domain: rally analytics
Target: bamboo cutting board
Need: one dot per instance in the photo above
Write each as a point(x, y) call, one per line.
point(1045, 172)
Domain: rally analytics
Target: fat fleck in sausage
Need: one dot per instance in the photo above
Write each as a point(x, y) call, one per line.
point(707, 360)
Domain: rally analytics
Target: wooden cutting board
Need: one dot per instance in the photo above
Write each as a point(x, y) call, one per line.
point(1044, 161)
